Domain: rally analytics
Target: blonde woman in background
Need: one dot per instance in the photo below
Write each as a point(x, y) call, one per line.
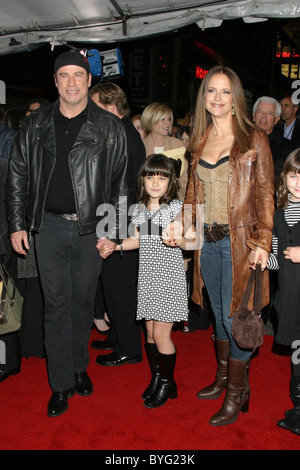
point(157, 120)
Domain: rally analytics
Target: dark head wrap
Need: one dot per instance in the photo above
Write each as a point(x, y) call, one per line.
point(72, 58)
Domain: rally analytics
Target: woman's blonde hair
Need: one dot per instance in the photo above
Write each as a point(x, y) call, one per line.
point(153, 113)
point(291, 165)
point(241, 124)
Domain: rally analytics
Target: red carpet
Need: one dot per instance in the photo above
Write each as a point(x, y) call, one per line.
point(114, 418)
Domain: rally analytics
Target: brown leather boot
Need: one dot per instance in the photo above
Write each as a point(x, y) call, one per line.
point(237, 393)
point(214, 390)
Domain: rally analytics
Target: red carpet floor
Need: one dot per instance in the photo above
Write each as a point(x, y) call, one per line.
point(114, 418)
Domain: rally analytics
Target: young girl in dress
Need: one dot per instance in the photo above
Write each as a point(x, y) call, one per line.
point(285, 256)
point(162, 290)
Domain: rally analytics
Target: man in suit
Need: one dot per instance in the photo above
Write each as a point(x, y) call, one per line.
point(266, 114)
point(291, 128)
point(119, 274)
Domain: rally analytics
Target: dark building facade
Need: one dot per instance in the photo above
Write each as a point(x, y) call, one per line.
point(169, 68)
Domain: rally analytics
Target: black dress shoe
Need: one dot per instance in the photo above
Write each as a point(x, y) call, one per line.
point(114, 359)
point(102, 345)
point(58, 403)
point(83, 384)
point(102, 332)
point(4, 375)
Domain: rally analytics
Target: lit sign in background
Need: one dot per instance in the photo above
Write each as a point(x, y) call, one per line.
point(290, 56)
point(200, 72)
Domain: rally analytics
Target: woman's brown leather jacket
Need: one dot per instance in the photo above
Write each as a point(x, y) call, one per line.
point(250, 208)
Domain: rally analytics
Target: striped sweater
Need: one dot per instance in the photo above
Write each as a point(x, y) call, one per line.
point(292, 216)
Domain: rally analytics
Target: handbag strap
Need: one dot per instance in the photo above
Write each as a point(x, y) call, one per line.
point(255, 276)
point(258, 290)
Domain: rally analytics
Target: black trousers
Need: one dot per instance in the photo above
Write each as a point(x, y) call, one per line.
point(100, 305)
point(32, 327)
point(119, 281)
point(69, 266)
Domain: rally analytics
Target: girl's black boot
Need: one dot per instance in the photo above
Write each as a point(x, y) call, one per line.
point(291, 421)
point(166, 387)
point(152, 356)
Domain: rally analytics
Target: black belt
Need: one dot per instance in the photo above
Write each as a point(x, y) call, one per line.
point(72, 217)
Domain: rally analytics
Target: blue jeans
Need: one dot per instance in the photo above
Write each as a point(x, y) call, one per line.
point(216, 268)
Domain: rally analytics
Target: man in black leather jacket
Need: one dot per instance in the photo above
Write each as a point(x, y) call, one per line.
point(69, 159)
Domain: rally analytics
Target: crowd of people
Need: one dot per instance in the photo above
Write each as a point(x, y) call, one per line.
point(66, 165)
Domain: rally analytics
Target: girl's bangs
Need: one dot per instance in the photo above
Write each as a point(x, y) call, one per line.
point(156, 167)
point(293, 166)
point(157, 171)
point(294, 169)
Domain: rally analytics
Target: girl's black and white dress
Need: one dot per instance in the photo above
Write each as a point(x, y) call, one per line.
point(162, 290)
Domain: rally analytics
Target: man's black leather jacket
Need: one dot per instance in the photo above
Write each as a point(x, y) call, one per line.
point(99, 165)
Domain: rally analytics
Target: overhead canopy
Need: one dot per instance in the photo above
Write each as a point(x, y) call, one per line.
point(25, 24)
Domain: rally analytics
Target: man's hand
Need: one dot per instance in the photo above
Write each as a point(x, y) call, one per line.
point(19, 241)
point(105, 247)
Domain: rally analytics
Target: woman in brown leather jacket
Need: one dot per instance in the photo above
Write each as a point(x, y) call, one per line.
point(231, 174)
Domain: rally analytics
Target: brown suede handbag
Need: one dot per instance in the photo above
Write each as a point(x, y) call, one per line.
point(11, 303)
point(248, 328)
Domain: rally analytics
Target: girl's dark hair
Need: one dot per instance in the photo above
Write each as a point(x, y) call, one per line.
point(13, 117)
point(158, 164)
point(291, 165)
point(182, 130)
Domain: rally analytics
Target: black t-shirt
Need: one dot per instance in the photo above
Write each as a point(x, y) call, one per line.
point(60, 197)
